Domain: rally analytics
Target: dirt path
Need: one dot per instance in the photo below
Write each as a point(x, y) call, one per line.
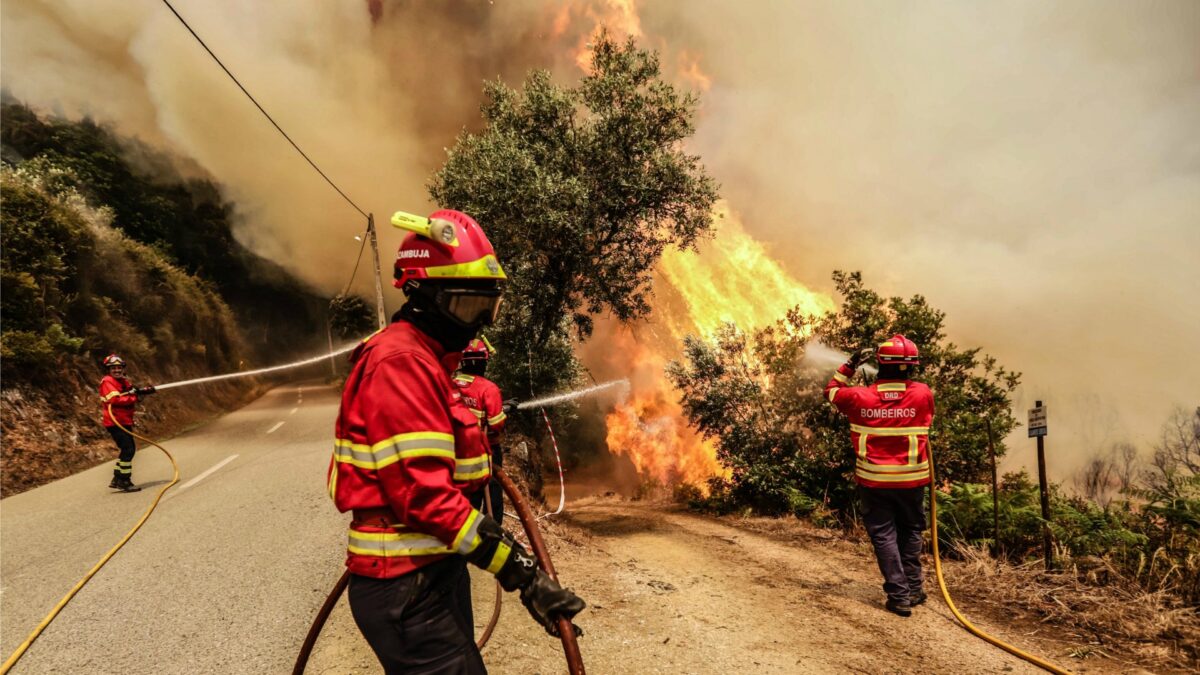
point(673, 592)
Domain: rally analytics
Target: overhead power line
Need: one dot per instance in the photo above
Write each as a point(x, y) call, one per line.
point(263, 111)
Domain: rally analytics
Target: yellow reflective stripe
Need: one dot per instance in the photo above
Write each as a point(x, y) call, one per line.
point(862, 444)
point(891, 477)
point(889, 343)
point(841, 378)
point(111, 395)
point(888, 431)
point(333, 473)
point(478, 413)
point(912, 448)
point(391, 544)
point(364, 340)
point(493, 421)
point(503, 551)
point(467, 539)
point(463, 377)
point(832, 393)
point(394, 449)
point(470, 469)
point(486, 267)
point(891, 468)
point(892, 386)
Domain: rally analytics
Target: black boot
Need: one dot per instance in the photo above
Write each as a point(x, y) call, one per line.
point(918, 599)
point(126, 485)
point(115, 483)
point(899, 607)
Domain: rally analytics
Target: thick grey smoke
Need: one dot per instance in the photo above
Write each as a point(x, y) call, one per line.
point(1031, 167)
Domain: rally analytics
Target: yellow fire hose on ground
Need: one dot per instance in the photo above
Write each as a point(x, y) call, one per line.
point(937, 565)
point(16, 655)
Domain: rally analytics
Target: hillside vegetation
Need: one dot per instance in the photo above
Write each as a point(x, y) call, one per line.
point(100, 256)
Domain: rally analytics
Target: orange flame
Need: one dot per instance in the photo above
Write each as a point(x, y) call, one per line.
point(730, 279)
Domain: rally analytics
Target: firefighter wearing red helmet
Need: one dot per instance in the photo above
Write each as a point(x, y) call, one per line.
point(889, 428)
point(484, 399)
point(410, 454)
point(118, 401)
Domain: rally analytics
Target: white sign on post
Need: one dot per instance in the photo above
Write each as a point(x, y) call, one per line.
point(1037, 421)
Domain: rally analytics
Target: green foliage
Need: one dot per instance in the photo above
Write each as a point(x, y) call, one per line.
point(185, 221)
point(350, 316)
point(580, 191)
point(778, 434)
point(75, 289)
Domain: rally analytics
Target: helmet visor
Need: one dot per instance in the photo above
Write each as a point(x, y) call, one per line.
point(470, 306)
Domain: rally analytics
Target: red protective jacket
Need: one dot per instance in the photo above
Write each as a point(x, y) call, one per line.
point(484, 399)
point(889, 426)
point(122, 404)
point(407, 445)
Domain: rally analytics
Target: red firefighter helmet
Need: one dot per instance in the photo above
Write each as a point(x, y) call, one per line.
point(446, 245)
point(447, 258)
point(113, 360)
point(476, 349)
point(898, 350)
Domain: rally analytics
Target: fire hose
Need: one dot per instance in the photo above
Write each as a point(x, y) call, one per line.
point(937, 565)
point(566, 632)
point(20, 651)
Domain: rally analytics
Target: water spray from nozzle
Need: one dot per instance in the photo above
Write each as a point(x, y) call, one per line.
point(820, 355)
point(572, 395)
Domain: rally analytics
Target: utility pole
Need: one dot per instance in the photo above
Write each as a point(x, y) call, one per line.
point(1037, 427)
point(382, 313)
point(995, 492)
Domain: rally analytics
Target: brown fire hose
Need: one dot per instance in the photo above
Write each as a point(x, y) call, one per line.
point(565, 630)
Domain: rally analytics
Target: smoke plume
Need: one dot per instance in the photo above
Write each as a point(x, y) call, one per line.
point(1033, 168)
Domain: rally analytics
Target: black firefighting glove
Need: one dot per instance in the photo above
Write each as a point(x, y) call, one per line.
point(858, 358)
point(541, 595)
point(547, 602)
point(144, 391)
point(509, 405)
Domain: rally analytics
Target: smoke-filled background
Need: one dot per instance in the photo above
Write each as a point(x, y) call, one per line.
point(1031, 167)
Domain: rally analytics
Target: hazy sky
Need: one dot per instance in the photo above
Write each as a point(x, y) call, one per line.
point(1033, 168)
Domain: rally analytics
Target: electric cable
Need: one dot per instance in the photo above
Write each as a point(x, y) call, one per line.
point(937, 565)
point(361, 248)
point(24, 646)
point(263, 110)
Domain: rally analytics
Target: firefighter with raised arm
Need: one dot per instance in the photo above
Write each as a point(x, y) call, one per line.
point(484, 399)
point(889, 429)
point(409, 456)
point(118, 401)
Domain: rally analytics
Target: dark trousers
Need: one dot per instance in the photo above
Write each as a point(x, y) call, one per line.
point(420, 623)
point(895, 518)
point(127, 446)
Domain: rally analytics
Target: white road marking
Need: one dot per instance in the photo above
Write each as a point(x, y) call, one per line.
point(204, 475)
point(272, 429)
point(293, 411)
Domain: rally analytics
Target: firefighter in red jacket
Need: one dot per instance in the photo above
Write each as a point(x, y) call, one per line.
point(889, 428)
point(118, 395)
point(484, 399)
point(409, 454)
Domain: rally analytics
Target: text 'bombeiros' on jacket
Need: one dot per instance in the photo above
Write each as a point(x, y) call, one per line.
point(889, 427)
point(407, 447)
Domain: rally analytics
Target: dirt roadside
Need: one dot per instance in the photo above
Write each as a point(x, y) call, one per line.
point(673, 592)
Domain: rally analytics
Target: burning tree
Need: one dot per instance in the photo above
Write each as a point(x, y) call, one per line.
point(581, 190)
point(787, 448)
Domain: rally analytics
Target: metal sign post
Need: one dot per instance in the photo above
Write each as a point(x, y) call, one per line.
point(1038, 429)
point(995, 492)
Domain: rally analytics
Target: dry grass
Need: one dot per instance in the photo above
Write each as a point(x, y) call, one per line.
point(1094, 605)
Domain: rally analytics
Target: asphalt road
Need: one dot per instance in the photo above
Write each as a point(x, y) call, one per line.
point(226, 575)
